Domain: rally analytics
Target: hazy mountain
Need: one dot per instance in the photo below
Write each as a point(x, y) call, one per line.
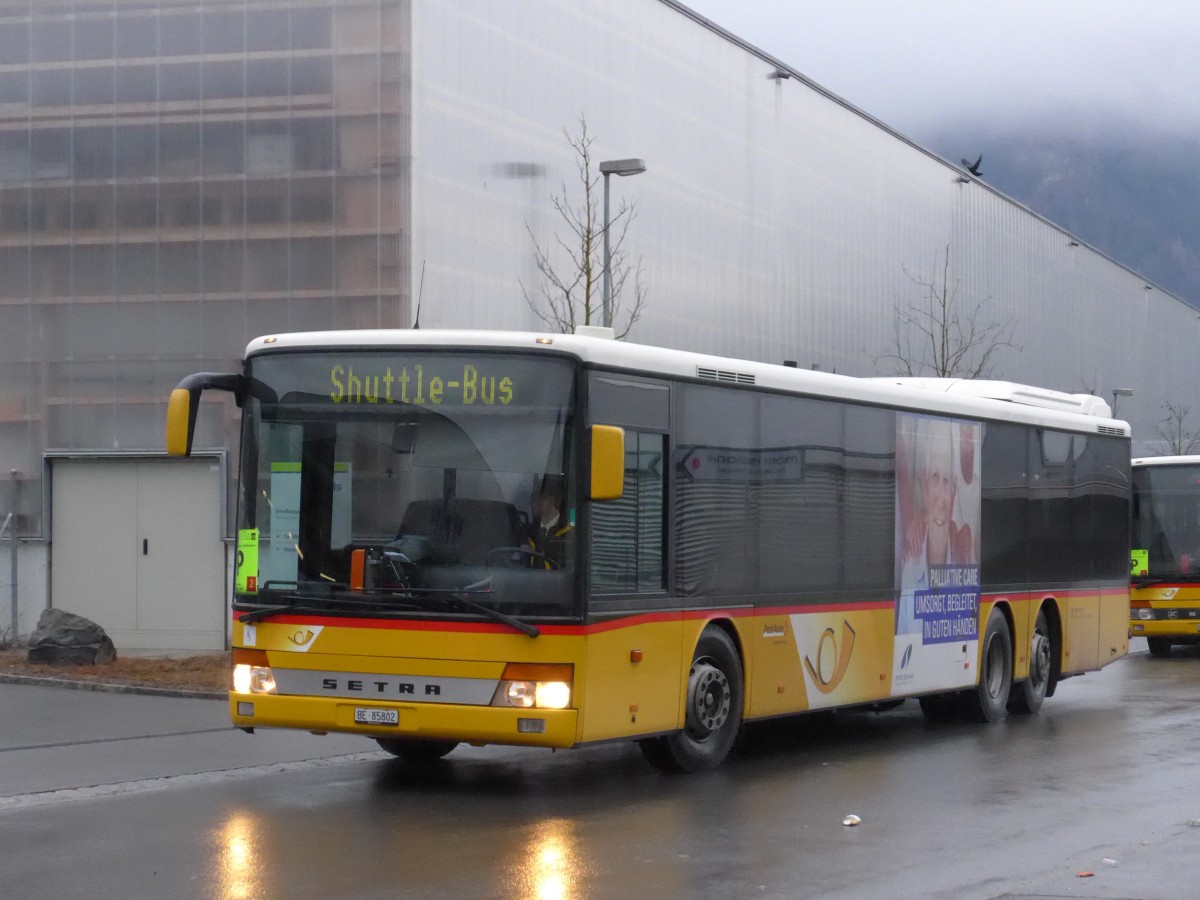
point(1133, 196)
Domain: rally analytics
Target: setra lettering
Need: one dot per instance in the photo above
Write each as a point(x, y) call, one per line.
point(357, 685)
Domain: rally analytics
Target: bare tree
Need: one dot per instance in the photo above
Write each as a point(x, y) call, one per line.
point(941, 335)
point(1088, 385)
point(1173, 431)
point(572, 267)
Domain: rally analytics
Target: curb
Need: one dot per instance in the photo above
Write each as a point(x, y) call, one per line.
point(42, 681)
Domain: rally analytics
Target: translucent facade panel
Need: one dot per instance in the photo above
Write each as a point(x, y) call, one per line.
point(179, 36)
point(94, 152)
point(221, 147)
point(223, 30)
point(14, 87)
point(14, 210)
point(14, 346)
point(310, 264)
point(51, 88)
point(224, 79)
point(224, 270)
point(267, 78)
point(358, 264)
point(50, 154)
point(93, 38)
point(137, 35)
point(358, 27)
point(92, 269)
point(15, 263)
point(358, 202)
point(51, 41)
point(310, 75)
point(136, 84)
point(14, 40)
point(179, 81)
point(94, 86)
point(268, 29)
point(176, 194)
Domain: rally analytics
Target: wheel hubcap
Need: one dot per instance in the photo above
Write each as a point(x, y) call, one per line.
point(1039, 663)
point(709, 699)
point(994, 673)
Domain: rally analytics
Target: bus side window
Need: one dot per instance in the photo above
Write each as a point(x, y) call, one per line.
point(628, 535)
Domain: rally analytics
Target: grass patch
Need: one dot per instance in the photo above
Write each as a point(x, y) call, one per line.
point(207, 672)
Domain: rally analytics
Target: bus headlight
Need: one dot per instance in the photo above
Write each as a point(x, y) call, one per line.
point(521, 693)
point(251, 674)
point(253, 679)
point(535, 686)
point(553, 695)
point(1145, 614)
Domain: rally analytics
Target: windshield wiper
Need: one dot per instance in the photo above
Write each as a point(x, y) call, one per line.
point(1189, 578)
point(485, 587)
point(412, 595)
point(257, 615)
point(301, 602)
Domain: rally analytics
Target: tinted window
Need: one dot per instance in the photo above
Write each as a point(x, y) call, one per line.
point(717, 498)
point(627, 552)
point(1004, 523)
point(782, 495)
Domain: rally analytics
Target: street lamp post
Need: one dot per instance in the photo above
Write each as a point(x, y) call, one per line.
point(622, 167)
point(1119, 392)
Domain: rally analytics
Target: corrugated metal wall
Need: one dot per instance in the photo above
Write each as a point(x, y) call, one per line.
point(774, 221)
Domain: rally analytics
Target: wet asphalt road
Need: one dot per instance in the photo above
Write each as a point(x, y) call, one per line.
point(111, 795)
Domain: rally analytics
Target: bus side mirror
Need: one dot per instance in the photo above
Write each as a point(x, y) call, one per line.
point(184, 402)
point(608, 463)
point(181, 421)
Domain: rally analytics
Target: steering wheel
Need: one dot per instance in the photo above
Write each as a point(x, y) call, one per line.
point(519, 558)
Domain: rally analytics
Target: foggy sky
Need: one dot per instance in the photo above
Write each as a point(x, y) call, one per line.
point(916, 64)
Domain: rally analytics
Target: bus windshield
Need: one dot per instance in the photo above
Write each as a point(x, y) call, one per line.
point(1166, 522)
point(407, 484)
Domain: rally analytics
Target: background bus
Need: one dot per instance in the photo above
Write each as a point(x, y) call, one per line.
point(1165, 599)
point(736, 541)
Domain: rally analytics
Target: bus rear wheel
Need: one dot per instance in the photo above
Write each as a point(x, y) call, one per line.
point(1160, 648)
point(714, 710)
point(988, 702)
point(1028, 696)
point(415, 751)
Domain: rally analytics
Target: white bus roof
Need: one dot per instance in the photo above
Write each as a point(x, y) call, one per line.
point(1004, 401)
point(1192, 460)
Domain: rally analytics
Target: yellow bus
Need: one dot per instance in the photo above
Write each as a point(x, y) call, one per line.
point(559, 540)
point(1165, 599)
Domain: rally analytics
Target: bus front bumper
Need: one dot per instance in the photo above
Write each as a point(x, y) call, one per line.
point(435, 721)
point(1181, 630)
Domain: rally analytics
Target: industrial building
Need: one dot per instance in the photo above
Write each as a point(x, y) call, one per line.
point(179, 176)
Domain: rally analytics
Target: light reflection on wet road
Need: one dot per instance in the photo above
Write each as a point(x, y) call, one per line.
point(1107, 769)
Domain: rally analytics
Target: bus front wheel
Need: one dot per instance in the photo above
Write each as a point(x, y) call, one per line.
point(414, 751)
point(989, 701)
point(714, 709)
point(1160, 648)
point(1028, 696)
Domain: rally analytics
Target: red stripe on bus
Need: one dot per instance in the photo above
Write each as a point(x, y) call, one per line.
point(649, 618)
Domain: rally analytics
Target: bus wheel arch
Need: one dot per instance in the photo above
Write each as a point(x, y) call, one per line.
point(714, 706)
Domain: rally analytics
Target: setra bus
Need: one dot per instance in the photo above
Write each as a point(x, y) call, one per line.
point(729, 541)
point(1165, 597)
